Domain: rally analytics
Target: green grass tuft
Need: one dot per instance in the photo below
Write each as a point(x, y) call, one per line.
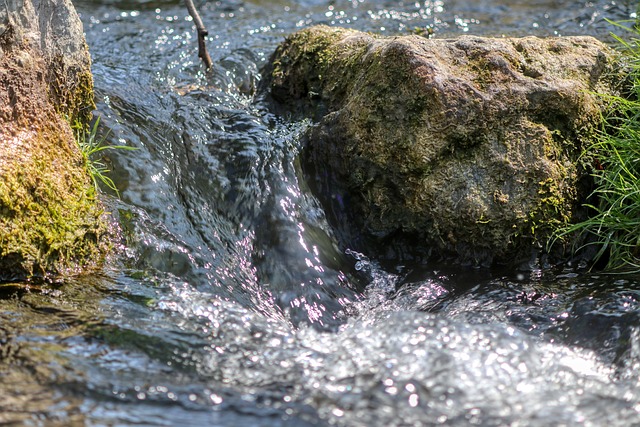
point(614, 225)
point(91, 145)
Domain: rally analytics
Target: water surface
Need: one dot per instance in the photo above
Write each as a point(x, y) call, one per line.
point(231, 303)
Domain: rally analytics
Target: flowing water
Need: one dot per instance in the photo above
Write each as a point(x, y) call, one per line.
point(231, 304)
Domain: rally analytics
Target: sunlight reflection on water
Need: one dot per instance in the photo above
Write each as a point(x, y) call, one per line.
point(233, 305)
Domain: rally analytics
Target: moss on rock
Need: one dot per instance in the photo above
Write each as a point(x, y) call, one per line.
point(467, 146)
point(51, 222)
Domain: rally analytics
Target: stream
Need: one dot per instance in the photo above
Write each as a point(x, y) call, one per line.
point(230, 302)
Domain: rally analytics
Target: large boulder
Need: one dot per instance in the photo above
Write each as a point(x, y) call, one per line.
point(469, 146)
point(50, 220)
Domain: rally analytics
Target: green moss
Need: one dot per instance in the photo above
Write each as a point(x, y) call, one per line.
point(70, 90)
point(314, 64)
point(50, 221)
point(488, 69)
point(551, 210)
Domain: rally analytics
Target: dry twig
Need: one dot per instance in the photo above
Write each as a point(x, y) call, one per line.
point(202, 33)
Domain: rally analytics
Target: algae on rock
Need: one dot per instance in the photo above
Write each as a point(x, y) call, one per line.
point(51, 222)
point(468, 146)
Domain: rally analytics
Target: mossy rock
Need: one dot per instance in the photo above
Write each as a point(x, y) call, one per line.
point(51, 222)
point(467, 147)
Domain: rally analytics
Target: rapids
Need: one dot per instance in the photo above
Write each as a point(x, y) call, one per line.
point(231, 304)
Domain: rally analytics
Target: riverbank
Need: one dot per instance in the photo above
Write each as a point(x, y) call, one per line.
point(612, 228)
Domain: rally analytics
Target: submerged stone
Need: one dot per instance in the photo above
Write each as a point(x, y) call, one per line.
point(467, 146)
point(50, 220)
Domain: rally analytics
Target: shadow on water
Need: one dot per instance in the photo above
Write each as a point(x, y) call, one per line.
point(230, 302)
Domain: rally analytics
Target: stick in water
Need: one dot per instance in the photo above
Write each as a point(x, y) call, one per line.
point(202, 33)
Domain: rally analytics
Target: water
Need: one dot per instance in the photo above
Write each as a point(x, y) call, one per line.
point(230, 304)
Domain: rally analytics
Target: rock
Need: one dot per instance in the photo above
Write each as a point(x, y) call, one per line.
point(50, 220)
point(467, 146)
